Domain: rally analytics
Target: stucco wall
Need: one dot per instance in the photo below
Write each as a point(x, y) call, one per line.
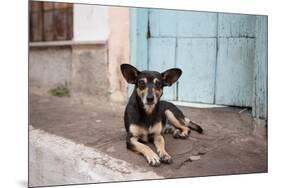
point(48, 67)
point(90, 23)
point(91, 62)
point(118, 49)
point(89, 71)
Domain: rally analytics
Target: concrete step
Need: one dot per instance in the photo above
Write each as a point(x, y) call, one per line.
point(54, 160)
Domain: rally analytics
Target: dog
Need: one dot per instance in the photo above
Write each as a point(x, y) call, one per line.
point(147, 117)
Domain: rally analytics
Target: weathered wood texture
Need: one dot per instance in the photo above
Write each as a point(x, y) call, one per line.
point(51, 21)
point(36, 21)
point(139, 43)
point(197, 83)
point(223, 56)
point(235, 62)
point(260, 87)
point(162, 57)
point(48, 14)
point(234, 77)
point(171, 23)
point(236, 25)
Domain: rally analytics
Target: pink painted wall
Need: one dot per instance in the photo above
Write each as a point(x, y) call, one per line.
point(118, 51)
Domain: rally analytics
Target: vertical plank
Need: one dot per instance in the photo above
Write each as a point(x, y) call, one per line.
point(60, 21)
point(138, 40)
point(69, 24)
point(139, 37)
point(48, 21)
point(161, 57)
point(260, 88)
point(196, 24)
point(197, 58)
point(234, 77)
point(163, 23)
point(36, 21)
point(236, 25)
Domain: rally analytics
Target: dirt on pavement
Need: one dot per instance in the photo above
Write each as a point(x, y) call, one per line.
point(228, 145)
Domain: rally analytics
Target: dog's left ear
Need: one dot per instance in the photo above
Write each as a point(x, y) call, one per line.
point(171, 76)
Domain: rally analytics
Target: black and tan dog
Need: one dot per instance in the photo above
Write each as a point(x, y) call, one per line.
point(146, 117)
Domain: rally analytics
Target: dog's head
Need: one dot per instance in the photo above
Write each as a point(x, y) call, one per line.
point(149, 84)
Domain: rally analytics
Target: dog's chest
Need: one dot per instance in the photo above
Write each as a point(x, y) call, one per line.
point(140, 131)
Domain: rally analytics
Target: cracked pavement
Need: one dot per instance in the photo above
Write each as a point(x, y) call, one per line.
point(228, 145)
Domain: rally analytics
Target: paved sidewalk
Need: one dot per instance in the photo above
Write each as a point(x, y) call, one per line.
point(228, 145)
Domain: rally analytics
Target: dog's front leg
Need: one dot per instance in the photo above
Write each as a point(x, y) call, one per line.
point(151, 157)
point(159, 143)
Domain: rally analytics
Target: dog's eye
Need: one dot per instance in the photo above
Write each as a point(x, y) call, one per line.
point(141, 84)
point(157, 85)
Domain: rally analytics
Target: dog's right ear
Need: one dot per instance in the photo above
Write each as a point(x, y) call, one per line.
point(130, 73)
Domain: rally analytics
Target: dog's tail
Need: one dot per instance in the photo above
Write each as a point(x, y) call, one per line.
point(194, 126)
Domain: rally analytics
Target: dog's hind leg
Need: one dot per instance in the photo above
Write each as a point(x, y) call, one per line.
point(171, 129)
point(181, 130)
point(192, 125)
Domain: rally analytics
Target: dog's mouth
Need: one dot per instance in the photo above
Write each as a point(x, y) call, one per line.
point(149, 107)
point(150, 103)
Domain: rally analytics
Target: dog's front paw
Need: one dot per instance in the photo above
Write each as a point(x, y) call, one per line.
point(153, 159)
point(166, 158)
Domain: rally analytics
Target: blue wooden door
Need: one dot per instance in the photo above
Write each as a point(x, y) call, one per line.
point(235, 60)
point(215, 51)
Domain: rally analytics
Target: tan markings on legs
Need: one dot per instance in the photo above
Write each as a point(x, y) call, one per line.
point(139, 132)
point(171, 117)
point(151, 157)
point(187, 121)
point(156, 128)
point(159, 143)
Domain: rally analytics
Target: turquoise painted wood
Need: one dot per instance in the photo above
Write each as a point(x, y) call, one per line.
point(197, 58)
point(162, 23)
point(236, 25)
point(138, 40)
point(260, 88)
point(223, 56)
point(234, 76)
point(168, 31)
point(196, 24)
point(162, 57)
point(171, 23)
point(235, 63)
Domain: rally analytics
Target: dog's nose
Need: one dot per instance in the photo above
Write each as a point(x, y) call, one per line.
point(150, 98)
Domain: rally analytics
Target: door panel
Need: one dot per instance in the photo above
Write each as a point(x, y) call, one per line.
point(197, 59)
point(196, 24)
point(234, 77)
point(170, 23)
point(163, 23)
point(233, 25)
point(162, 57)
point(215, 51)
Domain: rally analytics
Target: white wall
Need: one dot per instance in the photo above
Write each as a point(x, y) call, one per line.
point(109, 24)
point(90, 23)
